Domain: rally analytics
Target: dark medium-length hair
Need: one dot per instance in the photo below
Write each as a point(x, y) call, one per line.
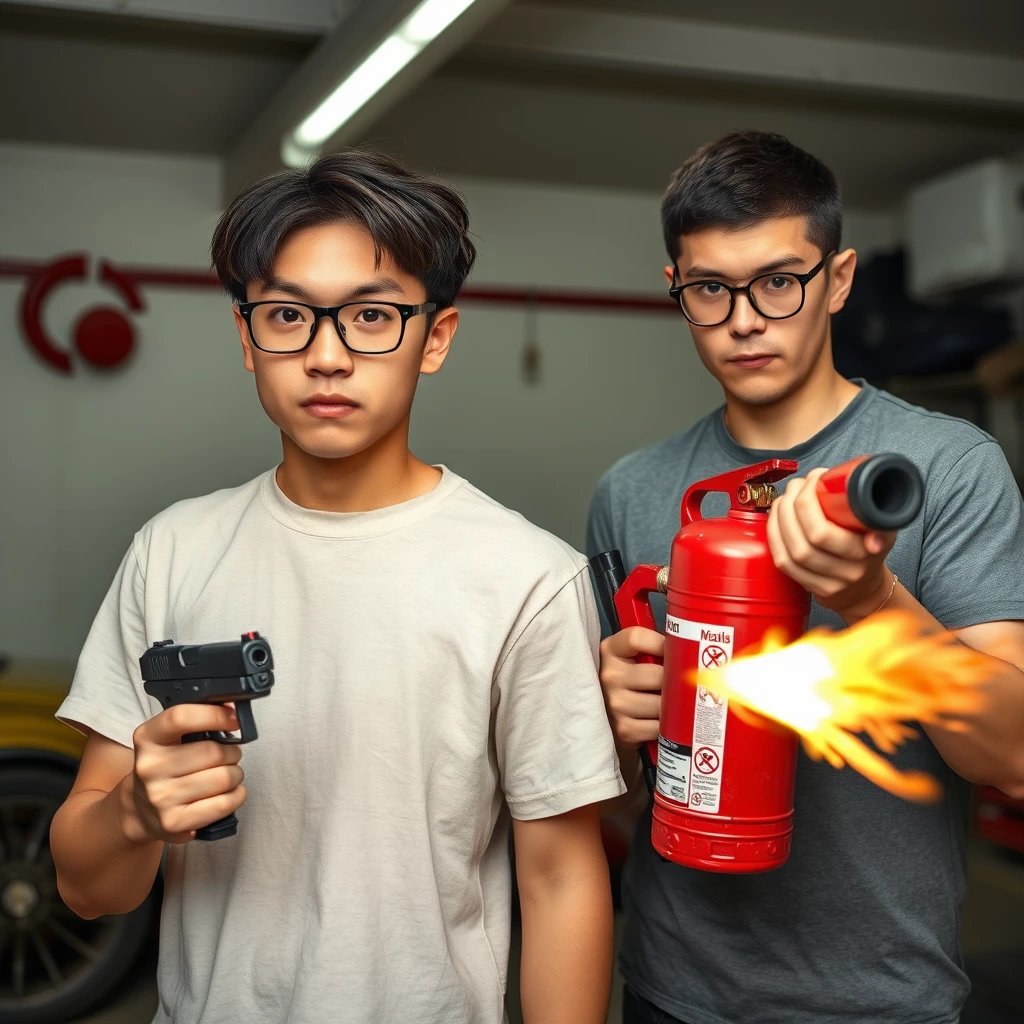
point(422, 225)
point(747, 177)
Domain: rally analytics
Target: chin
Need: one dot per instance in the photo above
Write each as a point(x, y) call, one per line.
point(766, 391)
point(329, 444)
point(766, 394)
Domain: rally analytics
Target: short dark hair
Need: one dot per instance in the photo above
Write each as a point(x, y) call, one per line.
point(744, 178)
point(422, 225)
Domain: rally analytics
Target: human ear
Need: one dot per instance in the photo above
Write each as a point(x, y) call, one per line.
point(670, 274)
point(439, 340)
point(243, 336)
point(841, 279)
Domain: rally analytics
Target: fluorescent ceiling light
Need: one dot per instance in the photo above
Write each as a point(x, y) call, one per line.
point(419, 29)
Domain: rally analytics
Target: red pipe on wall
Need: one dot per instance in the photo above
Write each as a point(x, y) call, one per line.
point(169, 277)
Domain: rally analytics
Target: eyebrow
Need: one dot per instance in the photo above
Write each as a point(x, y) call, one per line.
point(380, 284)
point(789, 260)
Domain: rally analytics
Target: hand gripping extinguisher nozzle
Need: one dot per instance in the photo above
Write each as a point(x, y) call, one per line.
point(609, 580)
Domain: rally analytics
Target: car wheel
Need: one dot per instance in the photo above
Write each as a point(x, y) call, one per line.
point(53, 964)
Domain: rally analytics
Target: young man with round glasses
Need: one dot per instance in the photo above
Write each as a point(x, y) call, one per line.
point(860, 926)
point(435, 657)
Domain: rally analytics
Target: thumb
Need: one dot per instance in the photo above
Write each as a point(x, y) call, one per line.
point(874, 543)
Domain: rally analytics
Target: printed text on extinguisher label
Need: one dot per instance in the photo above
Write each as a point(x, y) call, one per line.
point(714, 649)
point(674, 770)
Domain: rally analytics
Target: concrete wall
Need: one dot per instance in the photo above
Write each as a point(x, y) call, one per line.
point(86, 459)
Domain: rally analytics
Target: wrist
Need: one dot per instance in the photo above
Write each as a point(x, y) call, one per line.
point(876, 596)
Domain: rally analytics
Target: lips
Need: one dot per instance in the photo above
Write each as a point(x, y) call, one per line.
point(753, 361)
point(329, 406)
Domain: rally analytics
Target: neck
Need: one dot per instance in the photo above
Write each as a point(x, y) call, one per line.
point(795, 418)
point(384, 474)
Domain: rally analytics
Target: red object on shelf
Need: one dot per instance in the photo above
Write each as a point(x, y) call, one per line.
point(998, 818)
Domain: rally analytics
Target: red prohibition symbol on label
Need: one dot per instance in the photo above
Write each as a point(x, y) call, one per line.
point(706, 761)
point(713, 656)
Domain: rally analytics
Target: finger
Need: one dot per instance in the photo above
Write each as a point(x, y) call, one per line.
point(628, 675)
point(198, 786)
point(169, 726)
point(205, 812)
point(634, 640)
point(630, 704)
point(634, 731)
point(159, 762)
point(824, 535)
point(801, 552)
point(784, 562)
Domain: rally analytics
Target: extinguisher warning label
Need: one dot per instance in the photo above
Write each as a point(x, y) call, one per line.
point(674, 770)
point(711, 710)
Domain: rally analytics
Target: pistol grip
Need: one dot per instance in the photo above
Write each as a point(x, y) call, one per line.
point(222, 829)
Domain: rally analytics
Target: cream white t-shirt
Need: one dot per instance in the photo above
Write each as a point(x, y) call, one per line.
point(435, 668)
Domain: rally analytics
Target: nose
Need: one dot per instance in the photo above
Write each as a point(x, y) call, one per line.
point(327, 354)
point(745, 320)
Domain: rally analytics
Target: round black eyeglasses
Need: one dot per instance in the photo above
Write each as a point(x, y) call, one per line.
point(367, 328)
point(775, 296)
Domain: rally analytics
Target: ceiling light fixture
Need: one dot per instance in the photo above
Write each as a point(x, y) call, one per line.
point(409, 39)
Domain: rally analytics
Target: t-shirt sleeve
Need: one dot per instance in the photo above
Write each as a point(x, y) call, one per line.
point(106, 695)
point(972, 560)
point(554, 745)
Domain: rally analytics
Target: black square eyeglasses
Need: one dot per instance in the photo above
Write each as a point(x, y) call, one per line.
point(774, 296)
point(368, 328)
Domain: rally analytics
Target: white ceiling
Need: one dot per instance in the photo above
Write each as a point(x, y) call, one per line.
point(984, 26)
point(192, 75)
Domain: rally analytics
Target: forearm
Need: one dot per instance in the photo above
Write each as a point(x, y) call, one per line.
point(104, 864)
point(567, 948)
point(990, 749)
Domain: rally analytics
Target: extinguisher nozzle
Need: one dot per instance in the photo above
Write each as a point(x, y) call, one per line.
point(885, 492)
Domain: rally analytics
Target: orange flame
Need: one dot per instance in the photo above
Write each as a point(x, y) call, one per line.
point(872, 678)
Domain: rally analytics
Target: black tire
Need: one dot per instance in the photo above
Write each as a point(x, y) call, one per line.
point(53, 964)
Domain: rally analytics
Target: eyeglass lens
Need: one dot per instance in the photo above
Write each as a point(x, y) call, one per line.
point(708, 302)
point(367, 327)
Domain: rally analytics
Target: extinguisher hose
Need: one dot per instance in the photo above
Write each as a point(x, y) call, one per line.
point(609, 575)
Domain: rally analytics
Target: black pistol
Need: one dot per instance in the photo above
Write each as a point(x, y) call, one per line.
point(238, 671)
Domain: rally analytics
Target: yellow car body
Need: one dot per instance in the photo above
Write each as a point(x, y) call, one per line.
point(30, 693)
point(53, 965)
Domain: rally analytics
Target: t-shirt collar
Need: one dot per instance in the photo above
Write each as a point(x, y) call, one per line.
point(799, 452)
point(354, 525)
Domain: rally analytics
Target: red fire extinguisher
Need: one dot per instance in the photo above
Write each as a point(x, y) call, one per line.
point(723, 787)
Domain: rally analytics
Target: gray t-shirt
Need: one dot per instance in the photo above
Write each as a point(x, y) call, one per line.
point(861, 925)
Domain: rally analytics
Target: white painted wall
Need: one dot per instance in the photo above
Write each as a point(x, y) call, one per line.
point(86, 459)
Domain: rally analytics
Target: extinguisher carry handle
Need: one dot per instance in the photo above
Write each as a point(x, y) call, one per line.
point(626, 602)
point(633, 604)
point(768, 472)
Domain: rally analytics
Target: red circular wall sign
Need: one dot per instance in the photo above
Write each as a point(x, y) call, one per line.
point(104, 337)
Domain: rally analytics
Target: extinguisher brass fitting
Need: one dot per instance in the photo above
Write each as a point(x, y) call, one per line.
point(758, 495)
point(662, 580)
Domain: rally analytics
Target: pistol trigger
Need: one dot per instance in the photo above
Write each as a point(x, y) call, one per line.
point(246, 721)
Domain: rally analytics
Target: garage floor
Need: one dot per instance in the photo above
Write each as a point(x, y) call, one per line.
point(992, 940)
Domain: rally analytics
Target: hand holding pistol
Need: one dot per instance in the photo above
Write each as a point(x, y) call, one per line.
point(235, 672)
